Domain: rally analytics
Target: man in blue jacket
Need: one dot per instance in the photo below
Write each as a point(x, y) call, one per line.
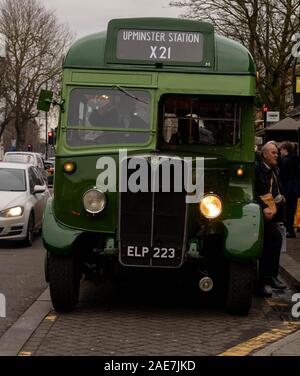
point(288, 175)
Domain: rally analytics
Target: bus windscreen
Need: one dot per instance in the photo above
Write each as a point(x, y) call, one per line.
point(108, 116)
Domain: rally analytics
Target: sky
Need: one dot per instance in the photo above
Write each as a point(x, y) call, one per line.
point(90, 16)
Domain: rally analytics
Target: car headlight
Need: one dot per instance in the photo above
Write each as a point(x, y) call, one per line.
point(94, 201)
point(211, 206)
point(16, 211)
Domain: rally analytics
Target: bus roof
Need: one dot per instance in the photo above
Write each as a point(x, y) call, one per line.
point(97, 51)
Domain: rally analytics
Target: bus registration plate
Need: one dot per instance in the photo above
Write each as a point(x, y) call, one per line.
point(155, 252)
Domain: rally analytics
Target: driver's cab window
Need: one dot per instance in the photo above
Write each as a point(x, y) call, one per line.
point(107, 116)
point(195, 120)
point(109, 108)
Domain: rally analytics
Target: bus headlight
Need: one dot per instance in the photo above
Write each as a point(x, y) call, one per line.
point(94, 201)
point(211, 206)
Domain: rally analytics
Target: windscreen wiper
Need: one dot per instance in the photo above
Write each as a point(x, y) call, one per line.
point(130, 95)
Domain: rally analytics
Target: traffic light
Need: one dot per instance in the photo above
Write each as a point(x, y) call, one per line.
point(51, 137)
point(29, 147)
point(265, 110)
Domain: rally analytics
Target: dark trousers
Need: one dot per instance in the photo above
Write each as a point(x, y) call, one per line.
point(290, 209)
point(269, 261)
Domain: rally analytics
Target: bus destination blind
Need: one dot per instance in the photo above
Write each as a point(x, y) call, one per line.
point(158, 45)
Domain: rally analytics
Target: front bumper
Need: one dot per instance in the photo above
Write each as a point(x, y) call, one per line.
point(13, 228)
point(241, 231)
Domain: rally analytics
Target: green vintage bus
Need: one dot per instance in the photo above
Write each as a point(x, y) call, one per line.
point(152, 90)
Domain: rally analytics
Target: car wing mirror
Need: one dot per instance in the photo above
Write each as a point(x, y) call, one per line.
point(39, 189)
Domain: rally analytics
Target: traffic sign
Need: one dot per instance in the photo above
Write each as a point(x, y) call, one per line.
point(297, 85)
point(272, 116)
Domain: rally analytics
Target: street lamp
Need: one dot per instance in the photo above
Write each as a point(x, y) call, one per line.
point(46, 126)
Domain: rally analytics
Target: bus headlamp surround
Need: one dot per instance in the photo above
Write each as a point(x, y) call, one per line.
point(211, 206)
point(94, 201)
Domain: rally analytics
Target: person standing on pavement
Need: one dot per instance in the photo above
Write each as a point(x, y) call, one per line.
point(288, 175)
point(267, 180)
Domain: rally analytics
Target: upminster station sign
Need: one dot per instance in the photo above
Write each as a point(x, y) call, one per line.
point(154, 45)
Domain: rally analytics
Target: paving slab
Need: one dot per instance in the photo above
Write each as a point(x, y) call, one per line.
point(16, 336)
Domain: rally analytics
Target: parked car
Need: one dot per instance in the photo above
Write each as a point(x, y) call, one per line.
point(27, 157)
point(50, 168)
point(23, 198)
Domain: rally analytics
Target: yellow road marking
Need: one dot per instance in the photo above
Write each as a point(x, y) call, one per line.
point(276, 303)
point(48, 318)
point(51, 317)
point(25, 353)
point(260, 341)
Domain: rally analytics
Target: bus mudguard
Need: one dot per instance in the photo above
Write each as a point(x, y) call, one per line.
point(243, 232)
point(57, 238)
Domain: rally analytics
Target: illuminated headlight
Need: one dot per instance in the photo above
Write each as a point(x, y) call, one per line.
point(211, 206)
point(94, 201)
point(16, 211)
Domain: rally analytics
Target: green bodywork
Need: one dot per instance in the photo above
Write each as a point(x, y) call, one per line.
point(233, 74)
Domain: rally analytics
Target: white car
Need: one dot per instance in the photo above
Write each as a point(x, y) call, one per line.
point(23, 197)
point(27, 157)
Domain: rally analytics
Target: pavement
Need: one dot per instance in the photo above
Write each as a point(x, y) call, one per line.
point(41, 331)
point(290, 272)
point(21, 278)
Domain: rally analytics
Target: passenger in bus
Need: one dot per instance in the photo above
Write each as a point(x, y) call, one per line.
point(188, 129)
point(267, 180)
point(170, 128)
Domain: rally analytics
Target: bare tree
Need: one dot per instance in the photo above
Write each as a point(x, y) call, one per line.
point(35, 44)
point(266, 28)
point(6, 115)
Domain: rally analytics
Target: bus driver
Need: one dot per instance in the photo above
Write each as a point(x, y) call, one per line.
point(118, 112)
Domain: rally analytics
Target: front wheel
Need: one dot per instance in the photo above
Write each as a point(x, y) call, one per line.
point(30, 231)
point(64, 281)
point(240, 286)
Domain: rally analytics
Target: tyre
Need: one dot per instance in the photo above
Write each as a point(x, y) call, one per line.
point(30, 231)
point(46, 269)
point(64, 282)
point(240, 287)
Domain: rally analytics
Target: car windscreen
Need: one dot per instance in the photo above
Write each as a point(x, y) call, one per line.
point(12, 180)
point(18, 158)
point(106, 116)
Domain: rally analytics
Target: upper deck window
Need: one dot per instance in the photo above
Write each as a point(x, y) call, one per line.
point(195, 120)
point(108, 116)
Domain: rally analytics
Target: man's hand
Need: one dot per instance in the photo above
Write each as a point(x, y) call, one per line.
point(268, 215)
